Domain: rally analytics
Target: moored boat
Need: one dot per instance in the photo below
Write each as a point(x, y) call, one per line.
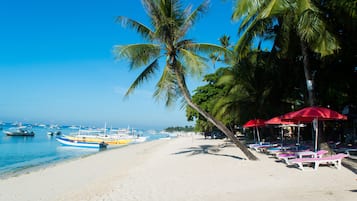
point(98, 138)
point(19, 132)
point(99, 135)
point(69, 142)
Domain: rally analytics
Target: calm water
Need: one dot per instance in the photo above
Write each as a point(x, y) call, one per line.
point(18, 154)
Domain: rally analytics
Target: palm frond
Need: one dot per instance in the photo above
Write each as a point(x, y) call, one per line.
point(166, 88)
point(137, 54)
point(313, 30)
point(349, 6)
point(274, 8)
point(243, 8)
point(192, 17)
point(145, 75)
point(143, 30)
point(207, 48)
point(196, 64)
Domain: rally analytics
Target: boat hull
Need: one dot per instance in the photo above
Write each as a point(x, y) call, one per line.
point(15, 133)
point(93, 139)
point(75, 143)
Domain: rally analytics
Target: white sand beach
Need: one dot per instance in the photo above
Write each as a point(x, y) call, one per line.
point(186, 168)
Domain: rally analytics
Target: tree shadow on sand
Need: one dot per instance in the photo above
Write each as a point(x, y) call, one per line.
point(206, 149)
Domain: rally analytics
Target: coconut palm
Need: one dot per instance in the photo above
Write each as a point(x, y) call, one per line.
point(170, 24)
point(286, 19)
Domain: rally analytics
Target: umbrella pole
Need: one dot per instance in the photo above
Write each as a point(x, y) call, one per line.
point(255, 141)
point(258, 136)
point(316, 125)
point(282, 137)
point(298, 136)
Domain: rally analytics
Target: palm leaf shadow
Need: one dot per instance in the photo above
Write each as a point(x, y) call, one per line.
point(206, 149)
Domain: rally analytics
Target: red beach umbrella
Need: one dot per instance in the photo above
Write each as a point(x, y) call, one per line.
point(278, 120)
point(314, 114)
point(255, 123)
point(308, 114)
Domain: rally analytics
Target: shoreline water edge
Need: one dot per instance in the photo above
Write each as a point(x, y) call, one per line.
point(23, 154)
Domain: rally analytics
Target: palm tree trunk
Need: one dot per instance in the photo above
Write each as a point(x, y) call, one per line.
point(211, 119)
point(322, 142)
point(308, 76)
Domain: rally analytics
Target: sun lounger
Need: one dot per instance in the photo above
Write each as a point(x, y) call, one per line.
point(334, 159)
point(351, 153)
point(279, 150)
point(252, 146)
point(262, 148)
point(299, 154)
point(286, 157)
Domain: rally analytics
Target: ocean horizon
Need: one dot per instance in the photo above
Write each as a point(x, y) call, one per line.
point(21, 154)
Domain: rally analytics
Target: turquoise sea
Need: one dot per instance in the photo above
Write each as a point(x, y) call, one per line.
point(21, 154)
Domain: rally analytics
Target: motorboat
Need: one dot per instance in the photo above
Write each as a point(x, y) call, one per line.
point(51, 133)
point(69, 142)
point(19, 132)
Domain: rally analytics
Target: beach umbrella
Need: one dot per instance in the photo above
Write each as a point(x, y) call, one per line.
point(308, 114)
point(314, 115)
point(255, 123)
point(279, 121)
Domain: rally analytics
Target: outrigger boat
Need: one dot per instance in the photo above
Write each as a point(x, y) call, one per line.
point(113, 137)
point(69, 142)
point(97, 139)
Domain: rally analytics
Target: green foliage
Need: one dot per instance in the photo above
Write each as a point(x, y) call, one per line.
point(165, 38)
point(179, 128)
point(258, 84)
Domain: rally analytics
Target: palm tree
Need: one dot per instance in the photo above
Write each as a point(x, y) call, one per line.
point(285, 19)
point(182, 56)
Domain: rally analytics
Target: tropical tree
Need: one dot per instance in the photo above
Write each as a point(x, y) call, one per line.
point(170, 24)
point(286, 20)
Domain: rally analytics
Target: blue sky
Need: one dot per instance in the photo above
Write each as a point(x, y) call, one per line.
point(57, 66)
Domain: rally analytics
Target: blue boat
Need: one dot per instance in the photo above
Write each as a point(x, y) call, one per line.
point(69, 142)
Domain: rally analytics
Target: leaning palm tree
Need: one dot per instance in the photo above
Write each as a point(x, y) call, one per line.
point(284, 19)
point(170, 24)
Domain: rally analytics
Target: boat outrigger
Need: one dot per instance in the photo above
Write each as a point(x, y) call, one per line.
point(69, 142)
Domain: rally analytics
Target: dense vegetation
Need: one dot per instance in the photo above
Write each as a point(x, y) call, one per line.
point(316, 45)
point(179, 128)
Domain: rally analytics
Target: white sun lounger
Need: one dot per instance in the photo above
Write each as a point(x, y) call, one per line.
point(334, 159)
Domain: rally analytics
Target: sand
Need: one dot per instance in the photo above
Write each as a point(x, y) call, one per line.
point(188, 168)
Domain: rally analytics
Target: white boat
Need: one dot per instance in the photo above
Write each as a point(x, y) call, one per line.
point(69, 142)
point(113, 137)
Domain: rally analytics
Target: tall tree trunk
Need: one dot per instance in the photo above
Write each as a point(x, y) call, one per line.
point(322, 141)
point(211, 119)
point(308, 76)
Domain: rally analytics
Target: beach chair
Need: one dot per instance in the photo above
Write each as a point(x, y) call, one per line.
point(335, 160)
point(292, 155)
point(321, 153)
point(351, 153)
